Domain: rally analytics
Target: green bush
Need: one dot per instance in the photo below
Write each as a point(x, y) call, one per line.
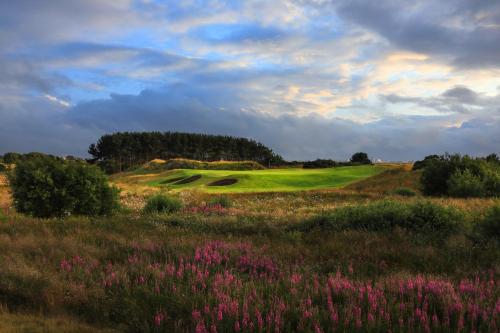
point(47, 186)
point(161, 203)
point(223, 201)
point(461, 176)
point(386, 215)
point(465, 184)
point(2, 167)
point(405, 192)
point(490, 225)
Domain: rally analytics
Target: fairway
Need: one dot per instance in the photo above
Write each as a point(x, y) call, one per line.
point(272, 180)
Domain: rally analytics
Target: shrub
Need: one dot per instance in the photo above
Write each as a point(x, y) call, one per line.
point(405, 192)
point(223, 201)
point(465, 184)
point(462, 176)
point(161, 203)
point(2, 167)
point(386, 215)
point(490, 225)
point(423, 163)
point(46, 186)
point(319, 163)
point(11, 158)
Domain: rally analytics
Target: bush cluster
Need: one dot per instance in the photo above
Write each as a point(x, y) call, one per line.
point(405, 192)
point(424, 217)
point(489, 227)
point(47, 186)
point(223, 201)
point(161, 203)
point(461, 176)
point(356, 159)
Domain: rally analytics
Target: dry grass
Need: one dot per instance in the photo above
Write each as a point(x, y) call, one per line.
point(18, 322)
point(399, 175)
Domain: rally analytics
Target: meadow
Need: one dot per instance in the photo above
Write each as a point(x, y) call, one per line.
point(354, 258)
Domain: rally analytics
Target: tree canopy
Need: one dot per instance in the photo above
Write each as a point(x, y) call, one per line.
point(122, 150)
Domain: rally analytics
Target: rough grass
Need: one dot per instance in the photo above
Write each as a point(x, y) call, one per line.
point(271, 180)
point(33, 323)
point(64, 268)
point(394, 177)
point(182, 163)
point(43, 295)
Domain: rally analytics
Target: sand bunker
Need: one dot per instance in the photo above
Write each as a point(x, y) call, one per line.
point(188, 180)
point(224, 182)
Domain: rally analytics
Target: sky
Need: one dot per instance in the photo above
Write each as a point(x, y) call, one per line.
point(310, 79)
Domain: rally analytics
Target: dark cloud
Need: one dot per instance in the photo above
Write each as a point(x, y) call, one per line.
point(458, 99)
point(180, 108)
point(263, 70)
point(464, 32)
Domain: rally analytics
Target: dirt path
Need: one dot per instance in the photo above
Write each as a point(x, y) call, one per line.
point(5, 199)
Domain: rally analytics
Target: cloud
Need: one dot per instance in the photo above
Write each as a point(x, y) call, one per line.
point(180, 108)
point(57, 100)
point(458, 99)
point(309, 78)
point(466, 33)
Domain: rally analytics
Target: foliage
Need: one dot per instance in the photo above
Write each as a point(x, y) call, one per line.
point(46, 186)
point(11, 158)
point(463, 184)
point(423, 163)
point(161, 203)
point(463, 176)
point(405, 192)
point(134, 276)
point(2, 167)
point(120, 151)
point(361, 158)
point(223, 201)
point(422, 216)
point(319, 163)
point(490, 225)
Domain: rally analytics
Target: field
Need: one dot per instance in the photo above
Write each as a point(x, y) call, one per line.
point(274, 261)
point(272, 180)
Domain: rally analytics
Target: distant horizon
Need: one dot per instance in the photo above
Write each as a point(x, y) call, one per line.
point(309, 79)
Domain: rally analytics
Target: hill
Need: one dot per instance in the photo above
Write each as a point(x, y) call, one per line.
point(123, 150)
point(182, 163)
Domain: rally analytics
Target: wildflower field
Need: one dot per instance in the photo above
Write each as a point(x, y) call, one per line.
point(346, 260)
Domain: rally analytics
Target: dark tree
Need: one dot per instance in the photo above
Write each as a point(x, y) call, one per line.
point(361, 158)
point(122, 150)
point(423, 163)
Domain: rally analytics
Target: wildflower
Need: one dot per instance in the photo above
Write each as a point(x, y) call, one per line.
point(158, 318)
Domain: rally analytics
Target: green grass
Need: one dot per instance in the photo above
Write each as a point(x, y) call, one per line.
point(273, 180)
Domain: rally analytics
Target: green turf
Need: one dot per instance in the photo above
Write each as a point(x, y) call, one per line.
point(272, 180)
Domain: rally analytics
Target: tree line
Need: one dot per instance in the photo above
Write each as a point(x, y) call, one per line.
point(120, 151)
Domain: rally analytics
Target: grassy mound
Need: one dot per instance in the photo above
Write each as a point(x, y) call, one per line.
point(181, 163)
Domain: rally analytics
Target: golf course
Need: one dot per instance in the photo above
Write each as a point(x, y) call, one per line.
point(246, 181)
